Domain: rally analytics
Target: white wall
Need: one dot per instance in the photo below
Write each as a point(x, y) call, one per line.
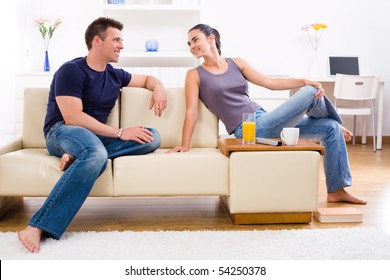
point(266, 33)
point(7, 66)
point(67, 41)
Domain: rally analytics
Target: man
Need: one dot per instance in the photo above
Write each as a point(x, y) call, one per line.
point(82, 95)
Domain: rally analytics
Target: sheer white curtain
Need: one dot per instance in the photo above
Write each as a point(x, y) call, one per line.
point(8, 59)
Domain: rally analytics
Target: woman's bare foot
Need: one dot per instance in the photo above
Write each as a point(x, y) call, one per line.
point(66, 161)
point(343, 196)
point(31, 238)
point(347, 134)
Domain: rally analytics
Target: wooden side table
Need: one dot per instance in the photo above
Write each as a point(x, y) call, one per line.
point(253, 192)
point(229, 145)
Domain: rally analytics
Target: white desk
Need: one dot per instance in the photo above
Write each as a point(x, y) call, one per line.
point(328, 84)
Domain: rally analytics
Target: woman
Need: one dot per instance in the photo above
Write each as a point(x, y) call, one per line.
point(221, 84)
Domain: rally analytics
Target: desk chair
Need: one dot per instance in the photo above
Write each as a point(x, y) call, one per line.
point(362, 92)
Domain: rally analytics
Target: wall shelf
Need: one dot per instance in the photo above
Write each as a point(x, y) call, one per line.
point(157, 59)
point(164, 21)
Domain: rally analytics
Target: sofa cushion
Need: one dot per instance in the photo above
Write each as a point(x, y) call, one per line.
point(33, 172)
point(201, 171)
point(9, 143)
point(135, 111)
point(34, 112)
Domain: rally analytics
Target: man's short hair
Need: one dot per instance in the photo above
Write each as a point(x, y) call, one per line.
point(99, 27)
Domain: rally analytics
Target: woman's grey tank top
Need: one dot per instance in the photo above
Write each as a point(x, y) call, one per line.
point(226, 95)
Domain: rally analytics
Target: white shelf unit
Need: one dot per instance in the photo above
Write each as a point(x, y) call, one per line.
point(152, 59)
point(165, 21)
point(152, 7)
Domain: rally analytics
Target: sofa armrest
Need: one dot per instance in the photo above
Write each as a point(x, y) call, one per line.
point(10, 143)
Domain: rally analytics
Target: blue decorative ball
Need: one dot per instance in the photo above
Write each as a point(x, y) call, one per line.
point(151, 45)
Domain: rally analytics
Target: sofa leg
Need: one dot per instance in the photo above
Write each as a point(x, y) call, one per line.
point(268, 218)
point(6, 203)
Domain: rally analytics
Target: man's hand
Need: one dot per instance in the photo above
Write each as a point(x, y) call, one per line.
point(139, 134)
point(159, 101)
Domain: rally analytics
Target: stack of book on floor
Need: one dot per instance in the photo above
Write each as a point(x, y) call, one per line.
point(338, 215)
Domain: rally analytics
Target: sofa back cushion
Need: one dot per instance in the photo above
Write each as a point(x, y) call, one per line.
point(34, 112)
point(135, 111)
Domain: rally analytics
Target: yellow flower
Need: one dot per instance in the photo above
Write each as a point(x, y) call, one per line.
point(318, 26)
point(316, 38)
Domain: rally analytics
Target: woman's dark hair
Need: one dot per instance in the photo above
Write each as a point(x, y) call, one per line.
point(99, 27)
point(207, 30)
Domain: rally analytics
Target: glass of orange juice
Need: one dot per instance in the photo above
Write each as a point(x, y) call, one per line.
point(248, 128)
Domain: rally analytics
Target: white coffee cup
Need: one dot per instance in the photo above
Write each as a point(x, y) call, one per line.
point(290, 135)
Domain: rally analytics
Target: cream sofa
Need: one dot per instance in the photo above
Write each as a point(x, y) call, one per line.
point(282, 183)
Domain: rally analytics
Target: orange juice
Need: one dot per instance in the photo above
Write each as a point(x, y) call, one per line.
point(248, 132)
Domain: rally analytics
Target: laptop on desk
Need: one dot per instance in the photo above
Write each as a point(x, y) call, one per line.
point(348, 65)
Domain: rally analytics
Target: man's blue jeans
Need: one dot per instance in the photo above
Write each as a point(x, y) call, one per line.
point(317, 119)
point(91, 154)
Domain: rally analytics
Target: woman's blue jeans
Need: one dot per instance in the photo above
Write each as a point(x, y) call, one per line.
point(317, 119)
point(91, 154)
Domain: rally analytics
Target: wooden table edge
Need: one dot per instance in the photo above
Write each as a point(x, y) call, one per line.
point(237, 146)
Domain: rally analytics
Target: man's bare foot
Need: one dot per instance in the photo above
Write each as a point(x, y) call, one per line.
point(343, 196)
point(66, 161)
point(347, 134)
point(31, 238)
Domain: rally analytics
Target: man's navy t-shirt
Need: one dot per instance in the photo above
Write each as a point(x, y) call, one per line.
point(98, 91)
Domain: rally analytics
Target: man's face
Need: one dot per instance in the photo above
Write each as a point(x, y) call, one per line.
point(112, 45)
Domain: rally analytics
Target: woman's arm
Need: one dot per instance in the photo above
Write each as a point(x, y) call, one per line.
point(257, 78)
point(192, 109)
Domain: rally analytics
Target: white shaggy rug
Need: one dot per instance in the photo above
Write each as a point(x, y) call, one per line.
point(356, 243)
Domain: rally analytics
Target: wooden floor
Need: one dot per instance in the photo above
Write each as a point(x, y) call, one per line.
point(371, 181)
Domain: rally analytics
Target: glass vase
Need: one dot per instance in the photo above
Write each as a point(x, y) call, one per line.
point(46, 65)
point(315, 70)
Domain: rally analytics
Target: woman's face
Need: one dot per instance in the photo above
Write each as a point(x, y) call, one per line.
point(198, 42)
